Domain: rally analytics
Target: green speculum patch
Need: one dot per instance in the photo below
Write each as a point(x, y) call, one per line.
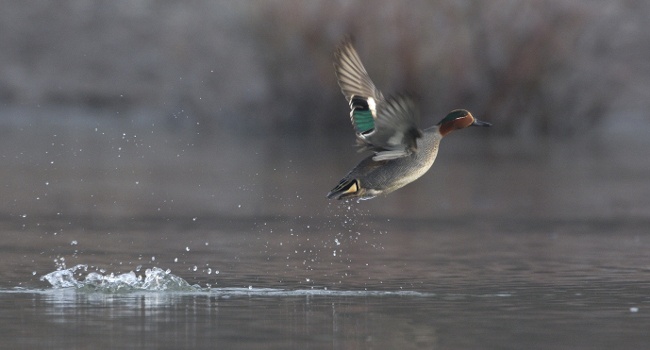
point(363, 120)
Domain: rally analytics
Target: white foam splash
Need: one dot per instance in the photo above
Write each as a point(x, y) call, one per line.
point(154, 279)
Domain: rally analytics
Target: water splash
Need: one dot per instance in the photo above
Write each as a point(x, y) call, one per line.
point(159, 280)
point(154, 279)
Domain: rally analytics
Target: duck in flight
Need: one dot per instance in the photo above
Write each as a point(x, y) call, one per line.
point(389, 128)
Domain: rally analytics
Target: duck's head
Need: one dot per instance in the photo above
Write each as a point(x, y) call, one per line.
point(458, 119)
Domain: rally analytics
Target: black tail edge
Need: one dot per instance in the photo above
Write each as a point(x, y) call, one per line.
point(345, 189)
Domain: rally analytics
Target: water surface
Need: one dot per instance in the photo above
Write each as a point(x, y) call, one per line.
point(168, 240)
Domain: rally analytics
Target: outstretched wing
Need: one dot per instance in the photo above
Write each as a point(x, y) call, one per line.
point(357, 87)
point(386, 126)
point(352, 76)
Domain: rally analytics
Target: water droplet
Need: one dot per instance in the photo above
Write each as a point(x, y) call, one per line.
point(73, 243)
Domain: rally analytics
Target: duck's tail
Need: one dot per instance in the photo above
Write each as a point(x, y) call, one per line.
point(347, 188)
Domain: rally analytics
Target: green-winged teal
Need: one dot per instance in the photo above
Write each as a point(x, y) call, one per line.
point(388, 127)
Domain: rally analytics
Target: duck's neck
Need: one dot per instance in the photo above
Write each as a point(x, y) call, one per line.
point(445, 129)
point(434, 131)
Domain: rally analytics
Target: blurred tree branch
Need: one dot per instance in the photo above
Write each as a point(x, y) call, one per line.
point(542, 67)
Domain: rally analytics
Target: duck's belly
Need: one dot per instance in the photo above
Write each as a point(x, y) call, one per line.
point(411, 175)
point(408, 172)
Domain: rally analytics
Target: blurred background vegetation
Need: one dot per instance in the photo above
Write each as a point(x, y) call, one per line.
point(550, 67)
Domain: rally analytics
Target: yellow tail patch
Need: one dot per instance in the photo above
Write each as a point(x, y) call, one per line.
point(352, 189)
